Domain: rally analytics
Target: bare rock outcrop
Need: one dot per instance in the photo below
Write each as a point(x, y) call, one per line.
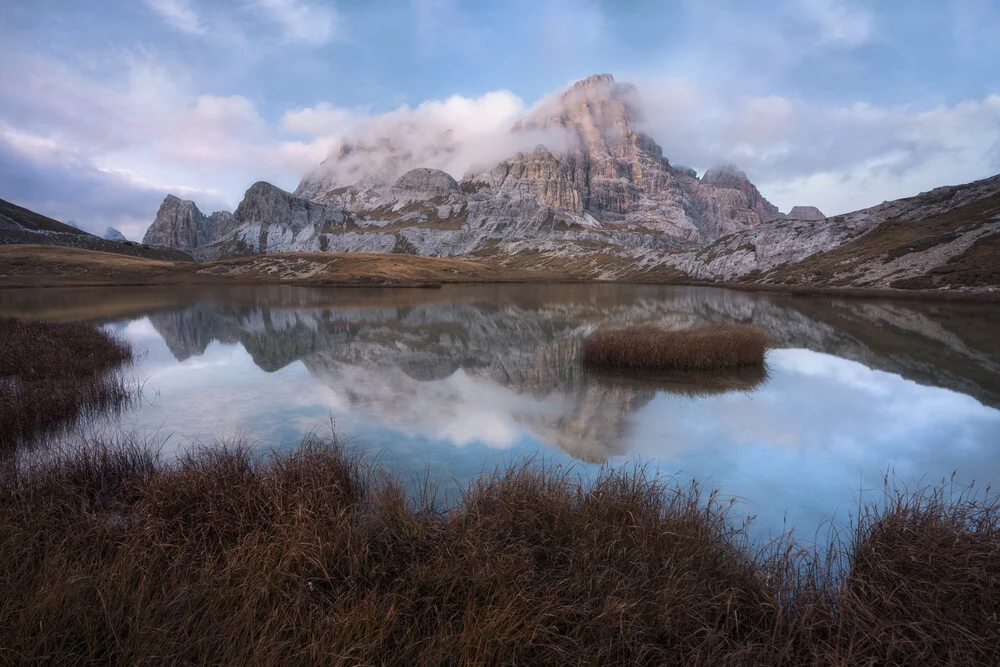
point(728, 176)
point(112, 234)
point(805, 213)
point(180, 224)
point(270, 219)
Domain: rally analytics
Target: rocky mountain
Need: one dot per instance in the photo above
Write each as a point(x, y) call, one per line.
point(112, 234)
point(599, 200)
point(805, 213)
point(598, 182)
point(179, 224)
point(948, 237)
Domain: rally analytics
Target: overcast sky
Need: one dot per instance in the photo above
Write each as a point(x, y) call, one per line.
point(105, 105)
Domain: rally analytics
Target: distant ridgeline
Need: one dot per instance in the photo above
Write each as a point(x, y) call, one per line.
point(19, 225)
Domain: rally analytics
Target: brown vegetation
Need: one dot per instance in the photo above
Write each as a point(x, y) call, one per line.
point(111, 556)
point(52, 374)
point(651, 348)
point(45, 266)
point(691, 383)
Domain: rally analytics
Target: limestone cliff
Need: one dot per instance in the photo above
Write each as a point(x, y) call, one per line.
point(179, 224)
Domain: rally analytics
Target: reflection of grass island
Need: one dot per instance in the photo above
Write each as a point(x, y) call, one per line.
point(52, 374)
point(648, 348)
point(692, 383)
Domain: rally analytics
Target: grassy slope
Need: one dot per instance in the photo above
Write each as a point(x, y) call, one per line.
point(35, 221)
point(978, 266)
point(36, 266)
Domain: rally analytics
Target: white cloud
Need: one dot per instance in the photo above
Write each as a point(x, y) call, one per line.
point(457, 135)
point(301, 21)
point(178, 14)
point(839, 158)
point(840, 22)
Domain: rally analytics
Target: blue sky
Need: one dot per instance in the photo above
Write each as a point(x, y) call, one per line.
point(107, 105)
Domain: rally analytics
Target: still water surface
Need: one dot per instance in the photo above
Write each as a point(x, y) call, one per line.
point(456, 380)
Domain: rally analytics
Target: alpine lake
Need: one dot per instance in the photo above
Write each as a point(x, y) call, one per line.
point(442, 384)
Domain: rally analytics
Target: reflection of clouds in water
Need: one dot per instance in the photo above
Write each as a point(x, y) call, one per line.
point(461, 409)
point(139, 330)
point(223, 393)
point(807, 362)
point(820, 428)
point(804, 440)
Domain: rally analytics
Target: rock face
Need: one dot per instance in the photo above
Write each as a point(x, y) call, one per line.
point(422, 180)
point(877, 247)
point(728, 176)
point(112, 234)
point(805, 213)
point(179, 224)
point(270, 220)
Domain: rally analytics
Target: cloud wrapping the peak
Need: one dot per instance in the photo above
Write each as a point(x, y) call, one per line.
point(457, 135)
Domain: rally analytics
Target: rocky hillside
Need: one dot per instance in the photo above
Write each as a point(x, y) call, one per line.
point(19, 225)
point(947, 238)
point(179, 224)
point(599, 183)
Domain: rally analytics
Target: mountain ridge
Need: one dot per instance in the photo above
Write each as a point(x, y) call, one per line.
point(601, 201)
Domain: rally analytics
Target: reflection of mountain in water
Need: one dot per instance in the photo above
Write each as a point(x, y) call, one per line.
point(416, 361)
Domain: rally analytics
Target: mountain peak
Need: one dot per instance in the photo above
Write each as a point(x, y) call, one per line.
point(594, 80)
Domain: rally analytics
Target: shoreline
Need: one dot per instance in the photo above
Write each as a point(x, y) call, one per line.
point(43, 267)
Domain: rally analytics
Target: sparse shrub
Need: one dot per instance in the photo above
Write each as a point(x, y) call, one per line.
point(650, 348)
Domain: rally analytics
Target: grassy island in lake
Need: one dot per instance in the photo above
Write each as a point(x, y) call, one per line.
point(648, 348)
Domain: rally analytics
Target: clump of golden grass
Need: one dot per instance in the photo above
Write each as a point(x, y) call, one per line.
point(52, 374)
point(110, 555)
point(647, 348)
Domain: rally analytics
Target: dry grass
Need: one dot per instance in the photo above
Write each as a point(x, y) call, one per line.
point(110, 556)
point(53, 374)
point(648, 348)
point(53, 266)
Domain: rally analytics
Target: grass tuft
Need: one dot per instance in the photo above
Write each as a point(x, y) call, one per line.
point(51, 375)
point(647, 348)
point(112, 555)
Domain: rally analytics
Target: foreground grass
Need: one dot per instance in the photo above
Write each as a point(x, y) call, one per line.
point(714, 346)
point(53, 374)
point(109, 555)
